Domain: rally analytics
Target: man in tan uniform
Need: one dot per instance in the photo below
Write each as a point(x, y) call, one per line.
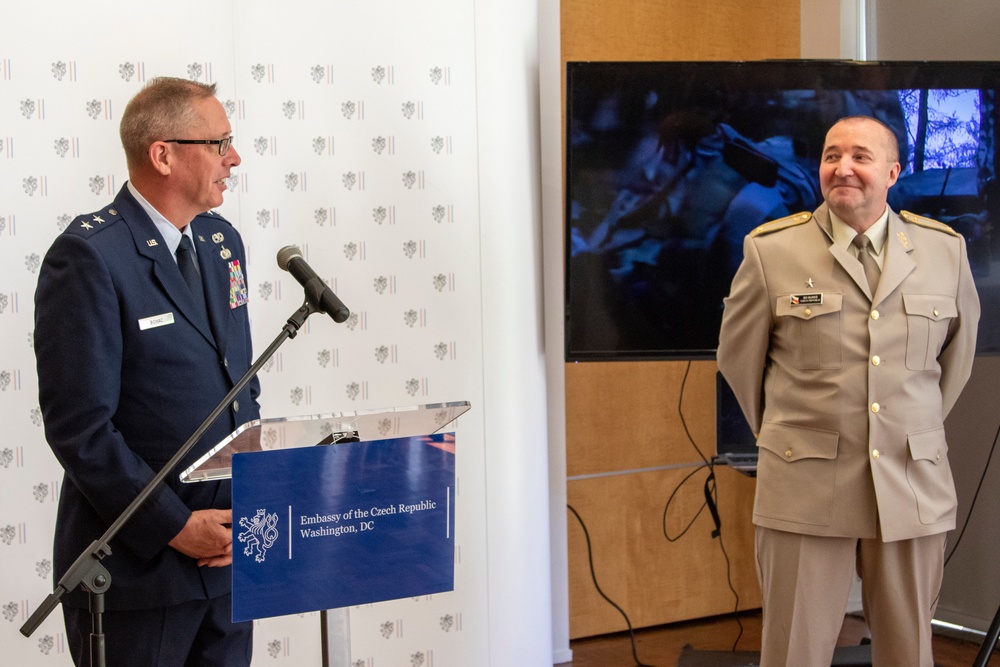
point(846, 359)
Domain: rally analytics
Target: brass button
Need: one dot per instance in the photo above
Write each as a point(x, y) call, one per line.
point(875, 454)
point(876, 360)
point(875, 315)
point(236, 406)
point(225, 362)
point(788, 453)
point(876, 407)
point(809, 312)
point(936, 312)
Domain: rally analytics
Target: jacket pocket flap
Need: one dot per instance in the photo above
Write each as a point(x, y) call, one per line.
point(932, 306)
point(792, 443)
point(800, 305)
point(928, 445)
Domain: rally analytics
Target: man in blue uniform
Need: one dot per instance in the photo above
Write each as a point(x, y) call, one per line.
point(141, 329)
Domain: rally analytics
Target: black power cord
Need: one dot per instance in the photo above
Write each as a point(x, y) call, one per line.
point(975, 497)
point(711, 502)
point(593, 576)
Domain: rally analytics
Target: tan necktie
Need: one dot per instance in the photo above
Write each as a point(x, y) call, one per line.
point(872, 272)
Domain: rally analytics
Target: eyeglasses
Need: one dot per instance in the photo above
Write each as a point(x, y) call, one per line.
point(223, 144)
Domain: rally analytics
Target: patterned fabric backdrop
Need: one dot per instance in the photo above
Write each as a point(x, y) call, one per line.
point(356, 122)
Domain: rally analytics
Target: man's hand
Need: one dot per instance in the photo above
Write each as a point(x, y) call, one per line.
point(207, 536)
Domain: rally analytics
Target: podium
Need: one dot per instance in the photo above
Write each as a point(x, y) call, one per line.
point(336, 510)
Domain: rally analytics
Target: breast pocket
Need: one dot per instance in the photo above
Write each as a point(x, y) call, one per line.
point(928, 317)
point(814, 330)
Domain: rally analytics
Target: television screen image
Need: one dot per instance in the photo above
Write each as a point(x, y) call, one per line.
point(670, 164)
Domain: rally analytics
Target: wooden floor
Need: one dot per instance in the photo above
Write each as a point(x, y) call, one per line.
point(662, 646)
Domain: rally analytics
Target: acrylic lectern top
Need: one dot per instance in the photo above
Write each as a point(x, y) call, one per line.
point(323, 429)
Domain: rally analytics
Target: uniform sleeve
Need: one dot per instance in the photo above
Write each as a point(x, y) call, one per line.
point(959, 350)
point(745, 335)
point(78, 349)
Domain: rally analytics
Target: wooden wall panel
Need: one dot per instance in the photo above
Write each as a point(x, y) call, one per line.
point(628, 415)
point(679, 29)
point(653, 580)
point(624, 416)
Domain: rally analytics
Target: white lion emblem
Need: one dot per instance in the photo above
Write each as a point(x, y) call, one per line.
point(261, 532)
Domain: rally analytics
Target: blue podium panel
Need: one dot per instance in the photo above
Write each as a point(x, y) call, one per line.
point(339, 525)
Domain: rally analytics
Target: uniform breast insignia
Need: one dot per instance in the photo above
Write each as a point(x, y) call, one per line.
point(781, 223)
point(217, 238)
point(806, 299)
point(929, 223)
point(810, 283)
point(225, 253)
point(237, 285)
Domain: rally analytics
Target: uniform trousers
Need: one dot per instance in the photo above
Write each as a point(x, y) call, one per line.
point(805, 583)
point(199, 633)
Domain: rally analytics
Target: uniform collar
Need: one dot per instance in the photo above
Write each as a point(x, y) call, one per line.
point(843, 234)
point(171, 235)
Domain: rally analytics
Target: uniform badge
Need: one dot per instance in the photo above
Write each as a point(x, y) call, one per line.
point(902, 239)
point(225, 253)
point(86, 225)
point(152, 243)
point(806, 299)
point(217, 237)
point(237, 285)
point(809, 283)
point(98, 219)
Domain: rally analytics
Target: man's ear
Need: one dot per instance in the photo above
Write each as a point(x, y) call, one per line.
point(160, 157)
point(894, 174)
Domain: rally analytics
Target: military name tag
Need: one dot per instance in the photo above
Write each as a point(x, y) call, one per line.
point(807, 299)
point(156, 321)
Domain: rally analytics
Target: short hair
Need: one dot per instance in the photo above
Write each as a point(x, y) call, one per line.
point(162, 109)
point(892, 141)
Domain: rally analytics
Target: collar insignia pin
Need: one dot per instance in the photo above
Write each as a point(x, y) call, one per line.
point(809, 283)
point(152, 243)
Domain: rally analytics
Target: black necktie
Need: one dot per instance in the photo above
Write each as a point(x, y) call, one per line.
point(872, 272)
point(185, 261)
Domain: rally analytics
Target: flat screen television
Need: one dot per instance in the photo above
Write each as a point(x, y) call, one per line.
point(670, 164)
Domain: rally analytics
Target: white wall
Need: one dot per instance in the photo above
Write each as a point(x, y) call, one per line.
point(335, 106)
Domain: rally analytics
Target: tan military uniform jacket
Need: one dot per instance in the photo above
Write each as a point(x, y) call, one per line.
point(848, 393)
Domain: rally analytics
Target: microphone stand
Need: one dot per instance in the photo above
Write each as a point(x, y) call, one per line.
point(87, 572)
point(989, 643)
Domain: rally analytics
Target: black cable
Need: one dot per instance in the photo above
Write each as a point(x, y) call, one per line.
point(711, 502)
point(975, 497)
point(593, 576)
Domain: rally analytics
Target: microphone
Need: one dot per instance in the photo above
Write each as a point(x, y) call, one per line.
point(317, 292)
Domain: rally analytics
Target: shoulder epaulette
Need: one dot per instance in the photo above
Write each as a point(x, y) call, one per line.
point(929, 223)
point(91, 223)
point(781, 223)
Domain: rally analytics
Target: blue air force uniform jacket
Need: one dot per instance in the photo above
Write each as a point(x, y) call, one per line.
point(127, 370)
